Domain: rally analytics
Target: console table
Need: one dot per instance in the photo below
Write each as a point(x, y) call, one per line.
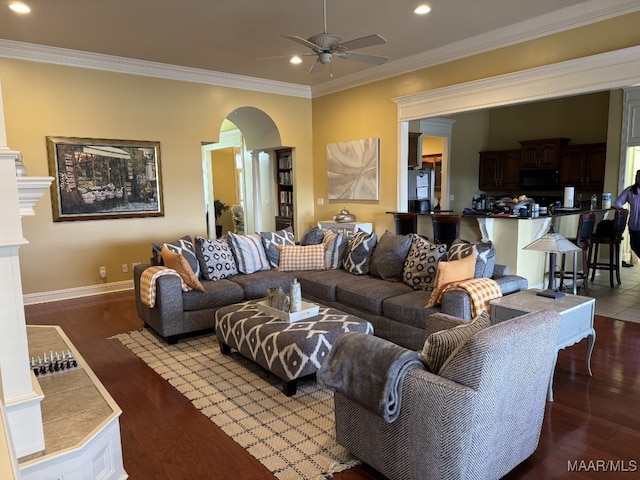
point(577, 319)
point(348, 228)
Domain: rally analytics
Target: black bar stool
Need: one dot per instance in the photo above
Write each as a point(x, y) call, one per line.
point(446, 229)
point(406, 223)
point(586, 224)
point(608, 236)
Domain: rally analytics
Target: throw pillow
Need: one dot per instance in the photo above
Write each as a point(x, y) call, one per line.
point(452, 271)
point(358, 254)
point(439, 345)
point(183, 246)
point(298, 257)
point(312, 236)
point(485, 256)
point(270, 240)
point(421, 265)
point(249, 252)
point(216, 258)
point(387, 261)
point(334, 243)
point(179, 263)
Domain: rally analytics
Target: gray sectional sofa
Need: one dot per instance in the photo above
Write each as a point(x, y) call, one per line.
point(395, 309)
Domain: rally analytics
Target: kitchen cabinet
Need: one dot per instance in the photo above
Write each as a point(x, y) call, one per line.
point(499, 170)
point(583, 165)
point(545, 153)
point(284, 182)
point(415, 152)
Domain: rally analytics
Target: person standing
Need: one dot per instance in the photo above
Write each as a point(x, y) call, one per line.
point(631, 195)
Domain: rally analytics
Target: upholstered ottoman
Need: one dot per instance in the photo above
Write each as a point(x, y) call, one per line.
point(289, 350)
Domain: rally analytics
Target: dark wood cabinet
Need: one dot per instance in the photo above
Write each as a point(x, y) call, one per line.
point(499, 170)
point(284, 182)
point(414, 158)
point(583, 165)
point(535, 154)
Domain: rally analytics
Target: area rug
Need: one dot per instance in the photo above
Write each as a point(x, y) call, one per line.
point(293, 437)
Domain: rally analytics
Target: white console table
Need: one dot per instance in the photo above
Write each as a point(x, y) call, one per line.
point(577, 319)
point(348, 228)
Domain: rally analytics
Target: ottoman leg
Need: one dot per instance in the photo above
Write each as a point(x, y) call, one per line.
point(289, 387)
point(224, 348)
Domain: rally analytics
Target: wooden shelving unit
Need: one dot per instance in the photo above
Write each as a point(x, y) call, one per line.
point(284, 181)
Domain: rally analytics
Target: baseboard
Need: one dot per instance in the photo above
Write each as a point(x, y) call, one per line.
point(69, 293)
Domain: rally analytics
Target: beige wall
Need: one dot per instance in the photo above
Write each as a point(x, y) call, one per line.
point(42, 99)
point(223, 167)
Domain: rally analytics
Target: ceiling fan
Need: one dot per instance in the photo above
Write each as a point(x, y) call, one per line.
point(327, 45)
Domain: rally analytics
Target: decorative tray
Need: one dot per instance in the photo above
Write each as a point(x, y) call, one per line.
point(308, 311)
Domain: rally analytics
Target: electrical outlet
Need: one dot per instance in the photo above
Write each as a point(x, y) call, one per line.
point(320, 201)
point(103, 272)
point(125, 268)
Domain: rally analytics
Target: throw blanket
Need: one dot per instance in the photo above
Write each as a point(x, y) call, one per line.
point(480, 290)
point(368, 370)
point(148, 283)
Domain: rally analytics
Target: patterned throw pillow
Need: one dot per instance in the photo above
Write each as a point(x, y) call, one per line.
point(249, 252)
point(334, 243)
point(357, 257)
point(179, 263)
point(298, 257)
point(449, 272)
point(387, 261)
point(216, 258)
point(312, 236)
point(439, 345)
point(485, 256)
point(421, 265)
point(270, 240)
point(183, 246)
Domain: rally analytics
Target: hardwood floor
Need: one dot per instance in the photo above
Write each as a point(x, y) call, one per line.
point(164, 437)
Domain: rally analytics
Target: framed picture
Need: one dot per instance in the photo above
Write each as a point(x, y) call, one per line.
point(352, 169)
point(102, 179)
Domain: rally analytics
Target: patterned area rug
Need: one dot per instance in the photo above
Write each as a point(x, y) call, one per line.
point(294, 437)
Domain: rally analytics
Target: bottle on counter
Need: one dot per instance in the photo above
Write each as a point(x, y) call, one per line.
point(295, 295)
point(594, 201)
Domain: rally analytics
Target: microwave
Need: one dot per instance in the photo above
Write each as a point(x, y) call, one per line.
point(540, 179)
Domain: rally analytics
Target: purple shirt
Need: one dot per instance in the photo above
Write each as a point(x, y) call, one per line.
point(633, 199)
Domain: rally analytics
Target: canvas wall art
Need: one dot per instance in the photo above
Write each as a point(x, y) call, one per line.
point(352, 169)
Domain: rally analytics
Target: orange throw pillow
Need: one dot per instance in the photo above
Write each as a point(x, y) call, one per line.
point(452, 271)
point(178, 263)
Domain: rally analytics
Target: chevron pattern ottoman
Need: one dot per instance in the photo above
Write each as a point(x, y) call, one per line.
point(288, 350)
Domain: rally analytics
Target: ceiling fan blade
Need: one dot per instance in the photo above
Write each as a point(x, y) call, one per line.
point(304, 42)
point(368, 41)
point(364, 57)
point(317, 67)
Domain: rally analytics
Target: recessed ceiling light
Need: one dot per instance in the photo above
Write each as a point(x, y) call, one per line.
point(422, 10)
point(296, 59)
point(19, 7)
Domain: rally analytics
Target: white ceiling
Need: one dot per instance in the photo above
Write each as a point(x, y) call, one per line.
point(232, 36)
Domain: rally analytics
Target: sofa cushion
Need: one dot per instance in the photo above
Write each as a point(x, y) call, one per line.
point(179, 263)
point(369, 293)
point(271, 240)
point(216, 258)
point(357, 257)
point(485, 256)
point(387, 260)
point(312, 236)
point(408, 308)
point(322, 284)
point(183, 246)
point(439, 345)
point(335, 244)
point(421, 265)
point(256, 284)
point(452, 271)
point(298, 257)
point(216, 294)
point(248, 252)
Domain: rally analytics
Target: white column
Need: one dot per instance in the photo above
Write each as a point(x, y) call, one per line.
point(257, 191)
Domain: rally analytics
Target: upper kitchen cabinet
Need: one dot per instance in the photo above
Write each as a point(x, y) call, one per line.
point(582, 166)
point(499, 170)
point(541, 153)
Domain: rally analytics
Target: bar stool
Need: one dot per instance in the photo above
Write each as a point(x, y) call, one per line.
point(586, 224)
point(613, 238)
point(405, 223)
point(446, 228)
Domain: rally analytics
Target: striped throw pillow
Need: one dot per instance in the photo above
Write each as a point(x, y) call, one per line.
point(335, 244)
point(296, 257)
point(249, 252)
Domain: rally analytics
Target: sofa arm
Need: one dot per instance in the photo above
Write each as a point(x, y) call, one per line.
point(441, 321)
point(500, 271)
point(457, 304)
point(512, 283)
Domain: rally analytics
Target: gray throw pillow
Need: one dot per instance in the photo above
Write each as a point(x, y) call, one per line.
point(270, 240)
point(183, 246)
point(387, 261)
point(335, 244)
point(439, 345)
point(485, 256)
point(358, 253)
point(421, 264)
point(248, 252)
point(216, 258)
point(312, 236)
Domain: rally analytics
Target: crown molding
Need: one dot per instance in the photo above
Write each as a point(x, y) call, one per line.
point(558, 21)
point(109, 63)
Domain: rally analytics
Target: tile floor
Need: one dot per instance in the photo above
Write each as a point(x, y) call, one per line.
point(621, 301)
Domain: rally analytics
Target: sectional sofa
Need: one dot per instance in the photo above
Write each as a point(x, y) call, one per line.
point(380, 289)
